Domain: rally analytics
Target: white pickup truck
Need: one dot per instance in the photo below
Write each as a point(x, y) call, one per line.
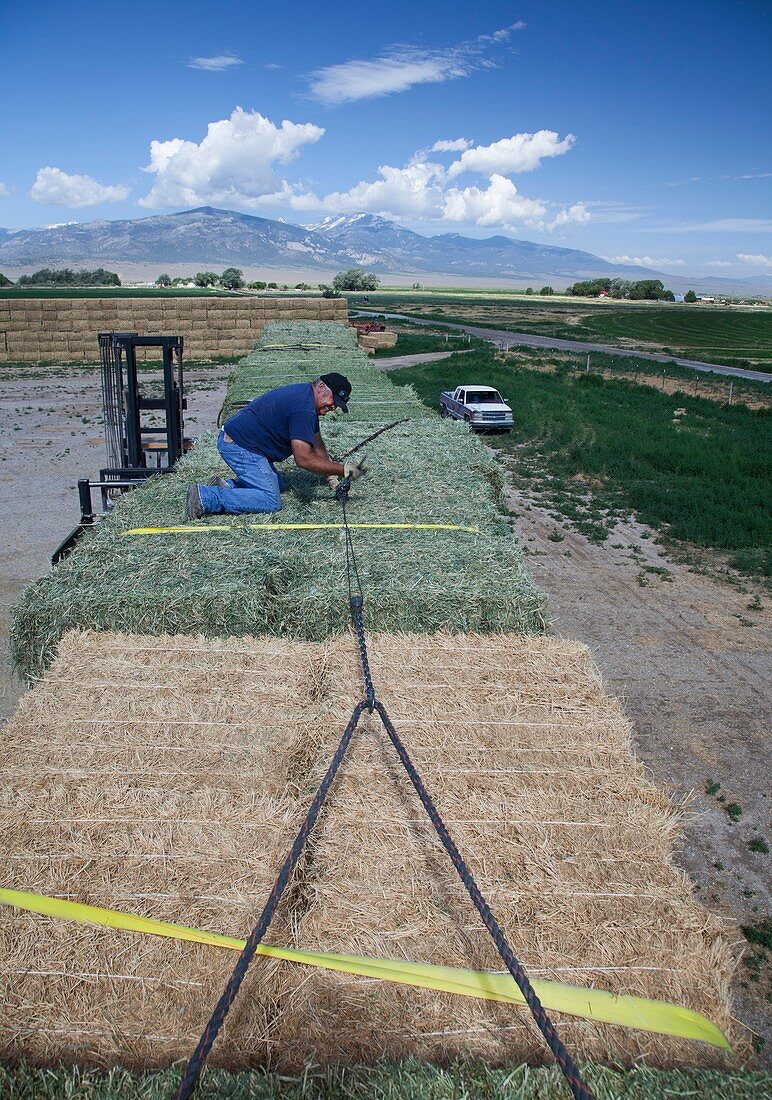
point(482, 407)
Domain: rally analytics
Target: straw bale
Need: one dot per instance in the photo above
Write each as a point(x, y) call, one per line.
point(160, 779)
point(530, 765)
point(176, 792)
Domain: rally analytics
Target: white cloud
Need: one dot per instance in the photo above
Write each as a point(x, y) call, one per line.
point(758, 259)
point(457, 145)
point(56, 188)
point(718, 263)
point(3, 190)
point(519, 153)
point(610, 212)
point(414, 191)
point(401, 67)
point(577, 214)
point(218, 64)
point(646, 261)
point(498, 204)
point(420, 192)
point(721, 225)
point(233, 164)
point(749, 176)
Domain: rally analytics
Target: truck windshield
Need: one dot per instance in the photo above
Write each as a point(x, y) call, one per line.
point(483, 397)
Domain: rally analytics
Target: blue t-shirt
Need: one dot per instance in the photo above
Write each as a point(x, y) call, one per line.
point(268, 424)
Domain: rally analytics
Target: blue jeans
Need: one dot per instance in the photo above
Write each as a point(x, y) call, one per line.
point(255, 488)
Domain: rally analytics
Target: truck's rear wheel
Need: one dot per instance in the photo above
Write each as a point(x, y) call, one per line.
point(443, 412)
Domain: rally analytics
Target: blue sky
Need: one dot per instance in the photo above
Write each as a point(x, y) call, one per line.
point(638, 132)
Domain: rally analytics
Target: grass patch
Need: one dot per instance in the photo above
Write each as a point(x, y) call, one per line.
point(409, 1080)
point(600, 449)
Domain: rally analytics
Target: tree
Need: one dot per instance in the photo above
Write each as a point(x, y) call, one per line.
point(163, 280)
point(545, 290)
point(529, 290)
point(205, 278)
point(591, 288)
point(67, 277)
point(620, 288)
point(272, 286)
point(355, 279)
point(257, 285)
point(232, 279)
point(328, 291)
point(690, 296)
point(648, 290)
point(4, 280)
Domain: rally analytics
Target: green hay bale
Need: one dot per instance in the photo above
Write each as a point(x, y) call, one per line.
point(279, 359)
point(292, 584)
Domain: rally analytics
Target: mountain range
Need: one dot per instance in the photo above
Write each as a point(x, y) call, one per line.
point(206, 238)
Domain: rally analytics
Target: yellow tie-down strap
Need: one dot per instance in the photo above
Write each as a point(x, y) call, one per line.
point(267, 528)
point(589, 1004)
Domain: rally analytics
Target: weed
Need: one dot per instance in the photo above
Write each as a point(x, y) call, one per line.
point(555, 536)
point(758, 844)
point(734, 811)
point(706, 486)
point(712, 787)
point(659, 571)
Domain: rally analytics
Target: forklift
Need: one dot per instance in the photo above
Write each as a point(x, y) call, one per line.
point(136, 450)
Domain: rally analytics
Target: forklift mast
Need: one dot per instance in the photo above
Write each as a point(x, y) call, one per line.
point(126, 435)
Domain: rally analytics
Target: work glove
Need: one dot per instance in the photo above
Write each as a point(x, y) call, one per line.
point(354, 470)
point(333, 481)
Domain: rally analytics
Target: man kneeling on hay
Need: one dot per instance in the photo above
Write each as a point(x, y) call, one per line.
point(280, 423)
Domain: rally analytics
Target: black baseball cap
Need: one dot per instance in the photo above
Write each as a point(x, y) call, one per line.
point(341, 389)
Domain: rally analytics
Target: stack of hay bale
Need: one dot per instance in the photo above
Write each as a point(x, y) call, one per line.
point(372, 341)
point(292, 583)
point(176, 791)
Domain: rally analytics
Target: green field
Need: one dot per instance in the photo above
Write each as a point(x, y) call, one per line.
point(739, 336)
point(701, 479)
point(718, 333)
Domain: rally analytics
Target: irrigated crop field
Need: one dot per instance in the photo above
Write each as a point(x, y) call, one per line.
point(734, 336)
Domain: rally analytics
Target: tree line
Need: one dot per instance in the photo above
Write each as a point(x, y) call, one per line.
point(66, 277)
point(652, 290)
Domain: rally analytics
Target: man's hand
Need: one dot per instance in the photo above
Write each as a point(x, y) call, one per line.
point(354, 470)
point(333, 482)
